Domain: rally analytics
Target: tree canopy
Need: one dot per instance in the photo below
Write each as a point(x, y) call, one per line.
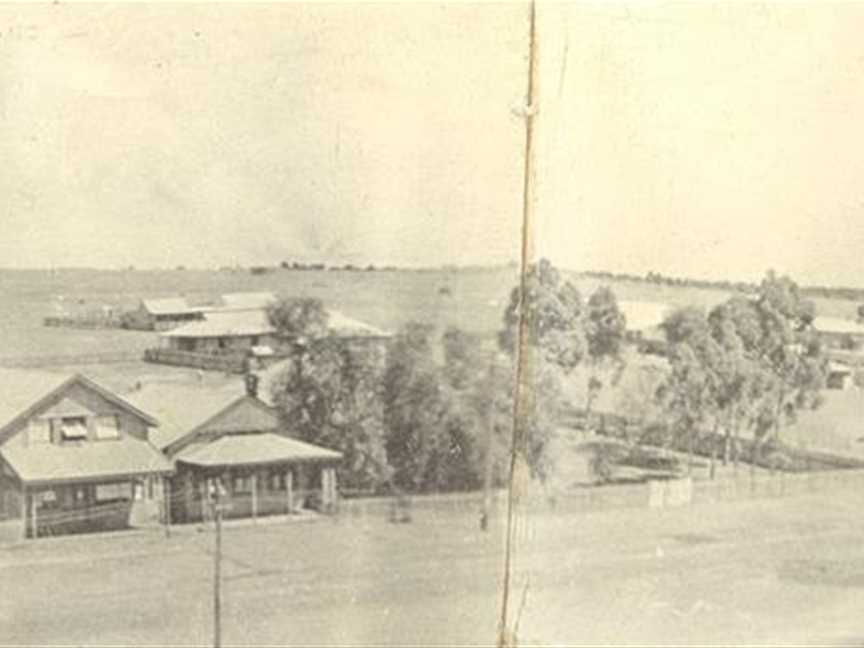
point(552, 309)
point(298, 317)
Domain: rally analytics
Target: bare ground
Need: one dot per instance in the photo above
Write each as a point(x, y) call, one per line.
point(766, 572)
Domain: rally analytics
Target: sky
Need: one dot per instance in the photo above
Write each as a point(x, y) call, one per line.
point(688, 139)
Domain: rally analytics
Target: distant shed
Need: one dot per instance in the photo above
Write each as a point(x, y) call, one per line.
point(840, 333)
point(163, 314)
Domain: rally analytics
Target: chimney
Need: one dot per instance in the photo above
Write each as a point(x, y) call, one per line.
point(251, 384)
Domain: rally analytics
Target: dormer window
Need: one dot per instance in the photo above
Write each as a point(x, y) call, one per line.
point(73, 428)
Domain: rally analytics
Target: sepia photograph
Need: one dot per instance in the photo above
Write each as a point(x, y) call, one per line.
point(499, 324)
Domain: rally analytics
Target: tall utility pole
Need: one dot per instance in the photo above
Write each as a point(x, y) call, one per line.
point(217, 569)
point(523, 359)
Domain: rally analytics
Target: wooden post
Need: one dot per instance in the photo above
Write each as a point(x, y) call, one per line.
point(334, 491)
point(24, 519)
point(325, 489)
point(33, 515)
point(255, 495)
point(166, 502)
point(289, 490)
point(217, 570)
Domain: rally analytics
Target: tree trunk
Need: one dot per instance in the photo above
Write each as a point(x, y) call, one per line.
point(727, 436)
point(735, 445)
point(779, 414)
point(589, 402)
point(714, 436)
point(690, 440)
point(754, 449)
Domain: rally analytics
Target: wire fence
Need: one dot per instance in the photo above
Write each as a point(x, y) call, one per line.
point(41, 361)
point(651, 494)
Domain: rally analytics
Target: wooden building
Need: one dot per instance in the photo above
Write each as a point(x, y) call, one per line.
point(222, 332)
point(839, 333)
point(74, 456)
point(227, 439)
point(163, 314)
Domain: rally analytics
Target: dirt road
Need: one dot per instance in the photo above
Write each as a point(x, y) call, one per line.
point(767, 572)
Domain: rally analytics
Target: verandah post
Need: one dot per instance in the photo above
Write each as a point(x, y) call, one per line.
point(289, 490)
point(24, 519)
point(334, 490)
point(255, 495)
point(33, 515)
point(166, 502)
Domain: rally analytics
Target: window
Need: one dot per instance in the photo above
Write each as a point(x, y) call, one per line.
point(108, 492)
point(242, 485)
point(48, 499)
point(107, 428)
point(39, 431)
point(73, 429)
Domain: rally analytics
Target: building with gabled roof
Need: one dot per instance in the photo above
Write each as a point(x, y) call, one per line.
point(163, 314)
point(226, 438)
point(75, 456)
point(225, 339)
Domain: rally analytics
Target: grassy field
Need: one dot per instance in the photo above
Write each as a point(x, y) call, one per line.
point(474, 299)
point(475, 302)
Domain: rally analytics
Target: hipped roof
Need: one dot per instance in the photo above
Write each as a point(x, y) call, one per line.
point(181, 408)
point(217, 324)
point(254, 449)
point(243, 323)
point(46, 463)
point(169, 306)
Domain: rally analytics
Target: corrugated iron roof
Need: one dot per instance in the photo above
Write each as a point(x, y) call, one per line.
point(182, 408)
point(225, 324)
point(252, 449)
point(169, 306)
point(268, 378)
point(47, 463)
point(837, 325)
point(237, 323)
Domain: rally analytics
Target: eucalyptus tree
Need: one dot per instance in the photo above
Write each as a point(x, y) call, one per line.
point(605, 327)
